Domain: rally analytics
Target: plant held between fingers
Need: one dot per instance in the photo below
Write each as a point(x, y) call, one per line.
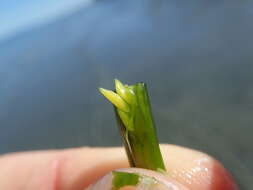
point(136, 124)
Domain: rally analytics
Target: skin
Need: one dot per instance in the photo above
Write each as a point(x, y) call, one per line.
point(76, 169)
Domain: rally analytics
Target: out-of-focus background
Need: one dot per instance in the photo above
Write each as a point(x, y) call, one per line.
point(196, 57)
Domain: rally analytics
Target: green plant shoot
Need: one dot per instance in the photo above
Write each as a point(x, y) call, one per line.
point(137, 128)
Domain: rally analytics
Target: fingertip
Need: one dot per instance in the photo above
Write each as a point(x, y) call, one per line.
point(196, 170)
point(221, 178)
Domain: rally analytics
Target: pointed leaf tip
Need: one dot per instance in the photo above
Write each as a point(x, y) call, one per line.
point(115, 99)
point(120, 89)
point(125, 92)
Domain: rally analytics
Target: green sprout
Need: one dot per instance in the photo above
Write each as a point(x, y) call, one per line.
point(137, 128)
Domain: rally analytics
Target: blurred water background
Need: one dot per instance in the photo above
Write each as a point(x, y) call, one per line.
point(196, 57)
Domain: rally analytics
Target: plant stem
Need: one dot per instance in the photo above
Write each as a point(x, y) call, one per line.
point(136, 124)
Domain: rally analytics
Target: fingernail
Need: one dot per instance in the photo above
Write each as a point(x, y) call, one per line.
point(136, 179)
